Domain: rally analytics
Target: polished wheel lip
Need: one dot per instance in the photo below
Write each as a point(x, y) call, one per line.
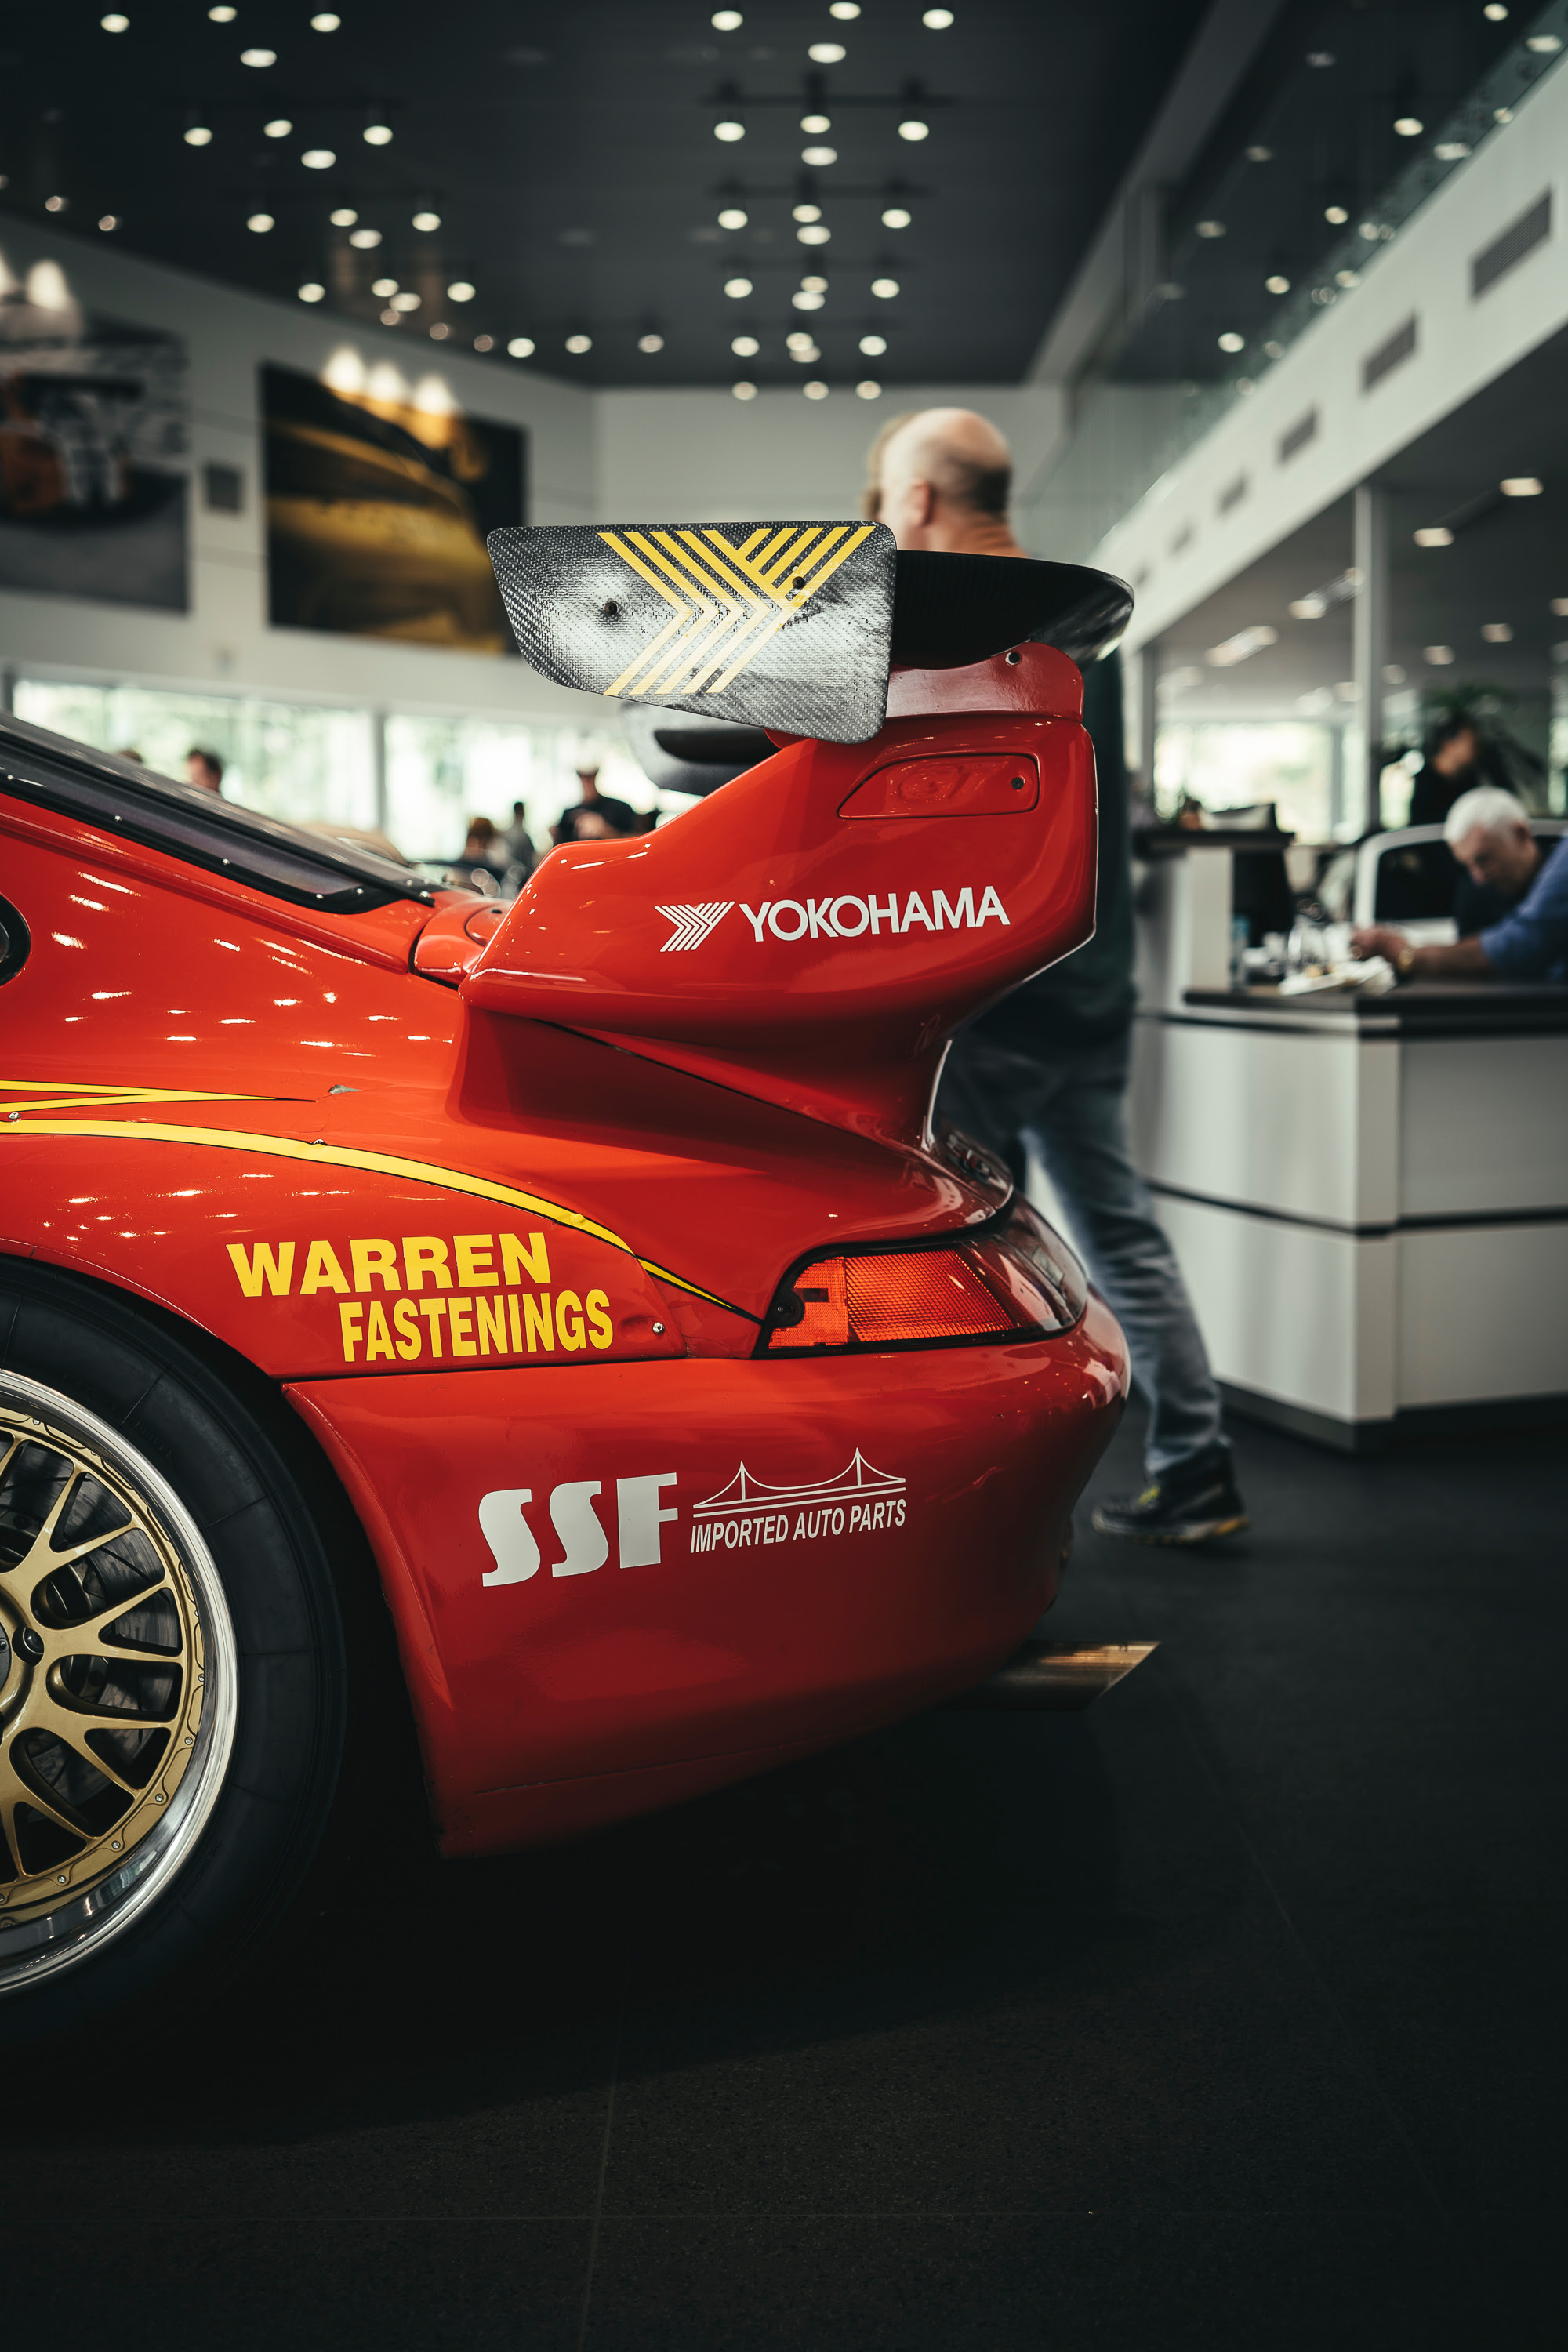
point(37, 1950)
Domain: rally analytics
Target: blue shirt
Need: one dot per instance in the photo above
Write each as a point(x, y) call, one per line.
point(1533, 943)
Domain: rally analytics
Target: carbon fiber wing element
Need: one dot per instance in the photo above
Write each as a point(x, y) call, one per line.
point(780, 625)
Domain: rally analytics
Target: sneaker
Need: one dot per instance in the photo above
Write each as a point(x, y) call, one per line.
point(1194, 1502)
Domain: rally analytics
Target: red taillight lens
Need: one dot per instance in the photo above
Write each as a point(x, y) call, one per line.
point(1017, 1279)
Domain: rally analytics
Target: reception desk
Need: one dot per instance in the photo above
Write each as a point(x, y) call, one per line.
point(1369, 1196)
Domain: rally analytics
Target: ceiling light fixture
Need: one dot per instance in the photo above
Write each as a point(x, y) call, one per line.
point(385, 286)
point(798, 341)
point(259, 222)
point(745, 347)
point(1450, 151)
point(277, 129)
point(1521, 486)
point(426, 223)
point(650, 343)
point(377, 134)
point(1560, 606)
point(1497, 633)
point(439, 332)
point(1435, 534)
point(55, 204)
point(1231, 342)
point(578, 345)
point(391, 318)
point(1546, 45)
point(1321, 58)
point(1273, 351)
point(732, 217)
point(318, 159)
point(223, 15)
point(460, 291)
point(845, 10)
point(745, 391)
point(484, 342)
point(259, 58)
point(728, 129)
point(1335, 215)
point(737, 288)
point(325, 23)
point(806, 300)
point(914, 130)
point(1347, 278)
point(364, 240)
point(1242, 647)
point(1211, 228)
point(727, 20)
point(884, 289)
point(868, 390)
point(815, 124)
point(813, 236)
point(109, 221)
point(198, 135)
point(819, 158)
point(814, 389)
point(873, 346)
point(1408, 126)
point(313, 293)
point(521, 347)
point(1308, 608)
point(806, 212)
point(115, 23)
point(937, 20)
point(1260, 154)
point(409, 302)
point(895, 217)
point(1494, 12)
point(1278, 284)
point(345, 216)
point(826, 53)
point(814, 285)
point(1440, 656)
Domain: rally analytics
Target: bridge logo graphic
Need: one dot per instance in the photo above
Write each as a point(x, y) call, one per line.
point(859, 1484)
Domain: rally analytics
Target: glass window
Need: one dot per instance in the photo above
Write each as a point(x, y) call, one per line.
point(1226, 765)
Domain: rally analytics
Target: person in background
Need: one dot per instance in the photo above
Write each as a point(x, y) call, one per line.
point(619, 816)
point(1448, 768)
point(484, 860)
point(1049, 1063)
point(519, 842)
point(1489, 831)
point(205, 769)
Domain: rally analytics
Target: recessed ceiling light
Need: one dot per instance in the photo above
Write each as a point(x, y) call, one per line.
point(813, 236)
point(745, 391)
point(650, 343)
point(1521, 486)
point(377, 134)
point(318, 159)
point(1494, 12)
point(895, 217)
point(1211, 228)
point(1450, 151)
point(1273, 351)
point(806, 300)
point(1308, 608)
point(258, 57)
point(325, 23)
point(814, 285)
point(1335, 215)
point(521, 347)
point(109, 221)
point(1260, 154)
point(1278, 284)
point(1560, 606)
point(1435, 534)
point(364, 239)
point(345, 216)
point(1231, 342)
point(484, 342)
point(460, 291)
point(1546, 45)
point(391, 318)
point(1439, 656)
point(819, 158)
point(728, 129)
point(745, 347)
point(884, 289)
point(937, 20)
point(1321, 58)
point(873, 346)
point(115, 23)
point(806, 212)
point(198, 135)
point(1242, 647)
point(914, 130)
point(815, 124)
point(55, 204)
point(223, 15)
point(1497, 633)
point(426, 223)
point(277, 129)
point(1347, 278)
point(845, 10)
point(868, 390)
point(814, 389)
point(1408, 126)
point(385, 286)
point(439, 332)
point(313, 293)
point(826, 53)
point(1502, 114)
point(800, 346)
point(727, 20)
point(737, 288)
point(260, 223)
point(732, 217)
point(408, 301)
point(578, 345)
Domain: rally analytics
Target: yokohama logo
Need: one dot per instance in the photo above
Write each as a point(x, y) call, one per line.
point(841, 918)
point(693, 924)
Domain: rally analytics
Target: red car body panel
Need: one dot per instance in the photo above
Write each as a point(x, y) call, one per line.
point(496, 1232)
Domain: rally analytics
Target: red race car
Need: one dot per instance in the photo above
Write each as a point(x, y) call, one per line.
point(586, 1271)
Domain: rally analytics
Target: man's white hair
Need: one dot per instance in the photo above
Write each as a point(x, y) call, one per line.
point(1486, 808)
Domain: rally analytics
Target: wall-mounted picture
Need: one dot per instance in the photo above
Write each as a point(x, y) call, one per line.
point(379, 495)
point(94, 428)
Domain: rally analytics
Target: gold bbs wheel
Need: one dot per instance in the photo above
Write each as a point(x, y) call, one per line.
point(117, 1683)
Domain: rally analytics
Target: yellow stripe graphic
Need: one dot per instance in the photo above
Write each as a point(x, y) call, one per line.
point(374, 1163)
point(727, 601)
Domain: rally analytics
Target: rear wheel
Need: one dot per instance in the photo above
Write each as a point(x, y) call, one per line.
point(171, 1672)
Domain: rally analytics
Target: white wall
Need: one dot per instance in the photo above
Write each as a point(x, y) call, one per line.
point(1463, 344)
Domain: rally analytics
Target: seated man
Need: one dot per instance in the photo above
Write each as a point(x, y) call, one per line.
point(1489, 831)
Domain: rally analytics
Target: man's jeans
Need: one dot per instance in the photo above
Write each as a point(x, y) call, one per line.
point(1071, 1109)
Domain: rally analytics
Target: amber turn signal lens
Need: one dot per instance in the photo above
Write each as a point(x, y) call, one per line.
point(1012, 1280)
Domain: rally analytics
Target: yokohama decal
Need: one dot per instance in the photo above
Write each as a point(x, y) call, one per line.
point(693, 924)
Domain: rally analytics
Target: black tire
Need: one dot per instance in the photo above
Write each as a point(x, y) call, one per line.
point(254, 1489)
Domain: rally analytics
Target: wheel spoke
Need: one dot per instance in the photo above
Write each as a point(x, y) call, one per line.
point(90, 1640)
point(15, 1791)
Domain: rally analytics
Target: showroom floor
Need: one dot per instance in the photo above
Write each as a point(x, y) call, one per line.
point(1224, 2015)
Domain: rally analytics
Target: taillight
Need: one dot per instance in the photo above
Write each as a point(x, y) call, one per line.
point(1014, 1280)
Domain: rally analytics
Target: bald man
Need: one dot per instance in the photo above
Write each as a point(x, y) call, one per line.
point(1048, 1066)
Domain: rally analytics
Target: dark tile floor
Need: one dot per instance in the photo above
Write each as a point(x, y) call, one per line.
point(1224, 2015)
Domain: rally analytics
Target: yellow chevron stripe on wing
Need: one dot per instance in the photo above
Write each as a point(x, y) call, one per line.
point(719, 619)
point(826, 561)
point(728, 601)
point(682, 615)
point(760, 616)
